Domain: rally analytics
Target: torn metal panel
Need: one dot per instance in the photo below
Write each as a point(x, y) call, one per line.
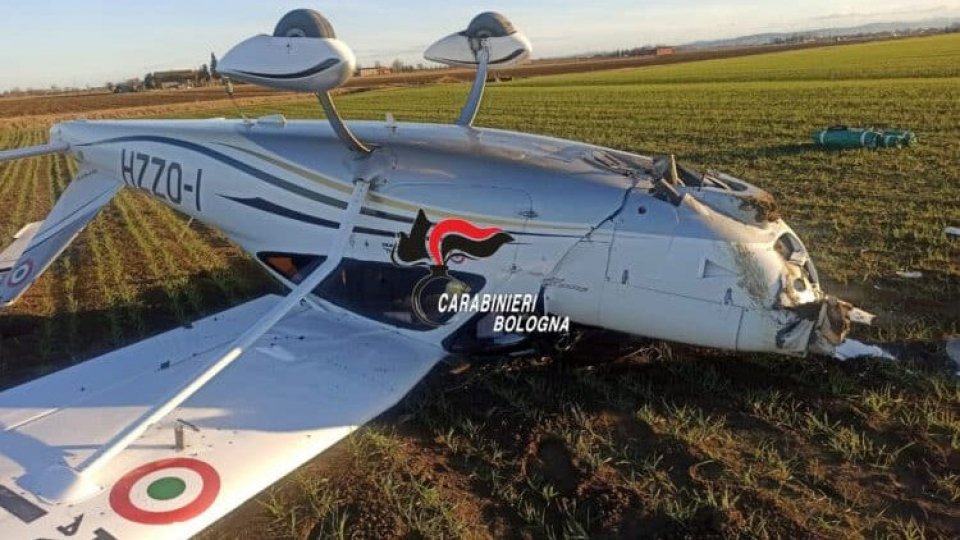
point(860, 316)
point(833, 324)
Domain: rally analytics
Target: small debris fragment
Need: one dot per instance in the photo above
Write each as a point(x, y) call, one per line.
point(460, 368)
point(852, 348)
point(909, 274)
point(952, 231)
point(860, 316)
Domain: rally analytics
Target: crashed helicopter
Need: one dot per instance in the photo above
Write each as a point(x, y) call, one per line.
point(376, 229)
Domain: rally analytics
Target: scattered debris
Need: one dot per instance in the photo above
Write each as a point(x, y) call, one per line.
point(835, 320)
point(460, 368)
point(852, 348)
point(860, 316)
point(952, 231)
point(909, 274)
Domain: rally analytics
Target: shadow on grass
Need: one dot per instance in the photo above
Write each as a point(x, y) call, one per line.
point(724, 155)
point(32, 346)
point(649, 434)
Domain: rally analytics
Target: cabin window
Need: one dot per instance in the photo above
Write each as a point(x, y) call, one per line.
point(383, 291)
point(376, 290)
point(293, 266)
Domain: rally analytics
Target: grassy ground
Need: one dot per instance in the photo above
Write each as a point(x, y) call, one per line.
point(621, 438)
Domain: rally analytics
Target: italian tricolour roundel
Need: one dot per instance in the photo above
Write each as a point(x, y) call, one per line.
point(20, 273)
point(165, 491)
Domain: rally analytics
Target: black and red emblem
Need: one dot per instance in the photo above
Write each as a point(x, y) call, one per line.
point(434, 244)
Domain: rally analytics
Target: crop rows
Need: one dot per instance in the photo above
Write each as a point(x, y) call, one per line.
point(137, 269)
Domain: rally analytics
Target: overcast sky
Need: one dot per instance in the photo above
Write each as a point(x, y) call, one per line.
point(89, 42)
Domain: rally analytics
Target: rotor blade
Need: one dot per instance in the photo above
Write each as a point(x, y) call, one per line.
point(32, 151)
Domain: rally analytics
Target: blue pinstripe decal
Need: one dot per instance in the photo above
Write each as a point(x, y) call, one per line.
point(282, 211)
point(283, 184)
point(232, 162)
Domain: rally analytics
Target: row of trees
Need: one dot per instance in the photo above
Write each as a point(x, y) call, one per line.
point(399, 66)
point(53, 89)
point(635, 51)
point(203, 76)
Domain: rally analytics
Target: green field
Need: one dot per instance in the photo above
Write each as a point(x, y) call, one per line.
point(619, 438)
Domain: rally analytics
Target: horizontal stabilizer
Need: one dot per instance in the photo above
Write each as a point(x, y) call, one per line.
point(78, 204)
point(9, 256)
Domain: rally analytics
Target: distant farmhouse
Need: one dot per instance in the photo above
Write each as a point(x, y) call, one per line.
point(659, 50)
point(650, 51)
point(372, 71)
point(129, 85)
point(178, 78)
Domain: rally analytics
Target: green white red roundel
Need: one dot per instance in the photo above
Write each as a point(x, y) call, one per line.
point(165, 491)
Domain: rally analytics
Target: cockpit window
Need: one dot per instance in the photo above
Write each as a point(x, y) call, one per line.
point(293, 266)
point(384, 292)
point(379, 291)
